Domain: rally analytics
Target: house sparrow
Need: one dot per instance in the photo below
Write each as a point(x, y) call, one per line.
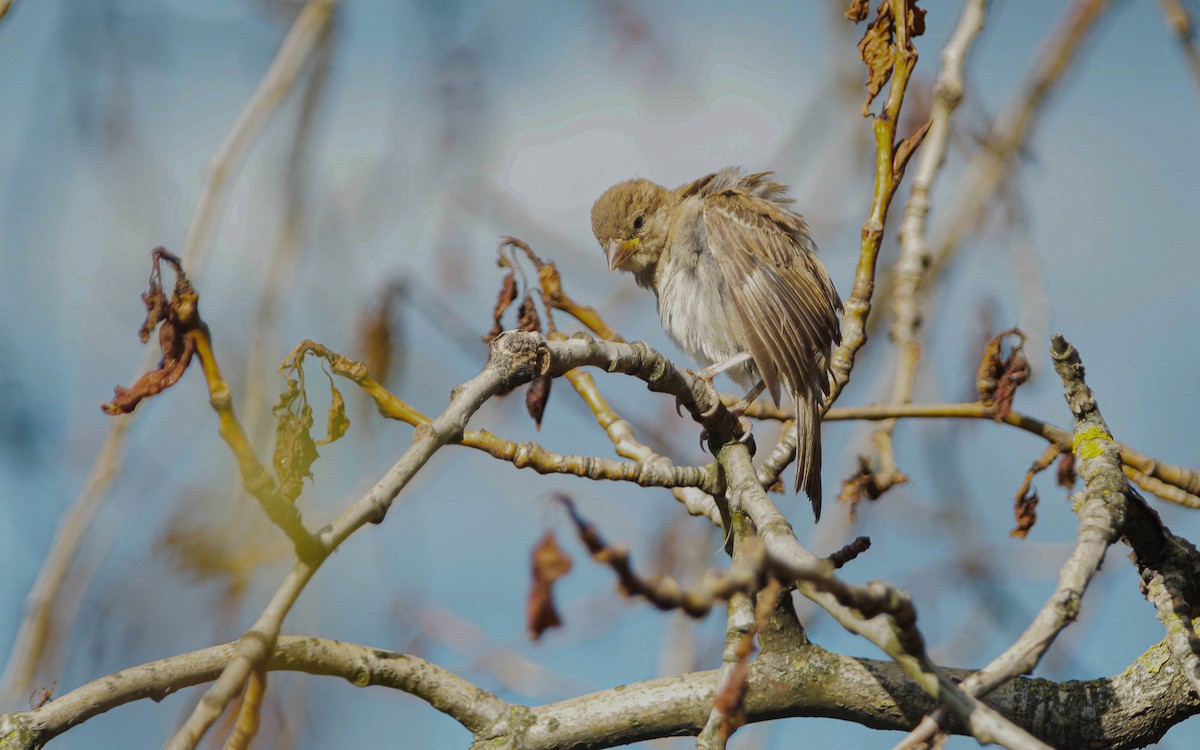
point(740, 288)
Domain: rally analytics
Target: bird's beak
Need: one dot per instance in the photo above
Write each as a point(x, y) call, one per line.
point(619, 252)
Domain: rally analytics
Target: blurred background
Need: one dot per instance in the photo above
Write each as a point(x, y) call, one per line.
point(417, 135)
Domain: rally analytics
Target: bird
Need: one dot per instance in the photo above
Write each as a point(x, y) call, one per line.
point(739, 286)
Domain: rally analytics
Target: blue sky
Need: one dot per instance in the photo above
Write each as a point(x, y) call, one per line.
point(444, 126)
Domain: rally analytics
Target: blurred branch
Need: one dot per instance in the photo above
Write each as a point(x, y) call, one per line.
point(304, 37)
point(281, 265)
point(36, 632)
point(249, 713)
point(1181, 22)
point(1008, 135)
point(515, 358)
point(915, 254)
point(665, 592)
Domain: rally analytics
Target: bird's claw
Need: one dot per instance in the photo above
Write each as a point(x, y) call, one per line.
point(747, 427)
point(716, 395)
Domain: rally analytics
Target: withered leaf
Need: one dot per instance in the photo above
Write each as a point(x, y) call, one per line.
point(999, 376)
point(174, 319)
point(337, 422)
point(527, 315)
point(1066, 470)
point(508, 293)
point(536, 397)
point(548, 563)
point(378, 332)
point(858, 10)
point(295, 450)
point(1025, 505)
point(1026, 512)
point(877, 48)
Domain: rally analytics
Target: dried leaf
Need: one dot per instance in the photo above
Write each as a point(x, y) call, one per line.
point(527, 315)
point(858, 10)
point(867, 484)
point(378, 333)
point(536, 397)
point(295, 450)
point(1066, 470)
point(337, 423)
point(548, 564)
point(1025, 505)
point(999, 376)
point(1015, 373)
point(877, 48)
point(174, 319)
point(508, 293)
point(1026, 513)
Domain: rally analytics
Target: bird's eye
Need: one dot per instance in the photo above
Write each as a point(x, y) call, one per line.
point(638, 222)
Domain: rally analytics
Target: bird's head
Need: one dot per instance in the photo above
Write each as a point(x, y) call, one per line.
point(631, 221)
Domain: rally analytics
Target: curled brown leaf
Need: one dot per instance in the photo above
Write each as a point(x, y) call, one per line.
point(508, 293)
point(378, 333)
point(877, 48)
point(1026, 501)
point(1066, 470)
point(337, 422)
point(527, 315)
point(548, 563)
point(536, 397)
point(858, 10)
point(174, 318)
point(1025, 510)
point(999, 376)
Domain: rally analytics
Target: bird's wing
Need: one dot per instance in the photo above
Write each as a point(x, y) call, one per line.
point(780, 293)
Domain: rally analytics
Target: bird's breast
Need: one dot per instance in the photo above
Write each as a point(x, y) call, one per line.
point(696, 313)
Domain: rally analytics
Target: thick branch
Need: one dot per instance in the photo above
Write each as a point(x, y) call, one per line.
point(791, 678)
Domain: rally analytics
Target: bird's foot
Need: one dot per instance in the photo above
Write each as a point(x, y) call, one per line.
point(712, 391)
point(747, 427)
point(745, 438)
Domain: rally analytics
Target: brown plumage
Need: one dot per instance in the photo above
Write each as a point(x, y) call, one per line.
point(735, 273)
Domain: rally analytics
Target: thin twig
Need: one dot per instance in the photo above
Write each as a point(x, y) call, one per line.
point(1172, 483)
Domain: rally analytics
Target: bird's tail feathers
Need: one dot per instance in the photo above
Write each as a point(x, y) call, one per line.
point(808, 450)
